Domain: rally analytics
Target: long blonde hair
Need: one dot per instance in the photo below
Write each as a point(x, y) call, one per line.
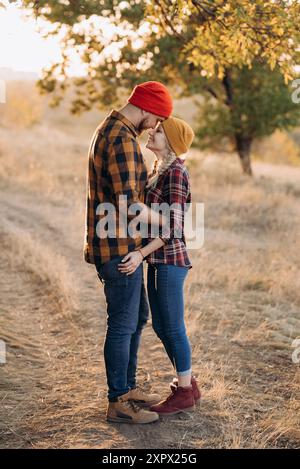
point(159, 167)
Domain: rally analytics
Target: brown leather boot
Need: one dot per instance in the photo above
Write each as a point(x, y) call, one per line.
point(143, 398)
point(181, 400)
point(196, 390)
point(126, 411)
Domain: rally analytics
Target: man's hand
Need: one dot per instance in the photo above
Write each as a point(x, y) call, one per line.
point(130, 262)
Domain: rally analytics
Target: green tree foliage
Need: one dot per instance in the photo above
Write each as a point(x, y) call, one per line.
point(256, 103)
point(242, 54)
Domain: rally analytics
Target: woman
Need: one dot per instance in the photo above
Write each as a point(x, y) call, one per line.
point(168, 261)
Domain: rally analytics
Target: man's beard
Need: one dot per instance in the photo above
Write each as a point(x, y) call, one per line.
point(141, 127)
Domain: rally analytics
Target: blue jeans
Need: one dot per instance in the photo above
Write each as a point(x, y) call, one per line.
point(127, 314)
point(165, 292)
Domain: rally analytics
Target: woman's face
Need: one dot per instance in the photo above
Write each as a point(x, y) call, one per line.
point(157, 140)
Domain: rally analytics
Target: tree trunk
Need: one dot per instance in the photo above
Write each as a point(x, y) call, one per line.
point(243, 146)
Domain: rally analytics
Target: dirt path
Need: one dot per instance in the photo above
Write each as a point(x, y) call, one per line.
point(53, 392)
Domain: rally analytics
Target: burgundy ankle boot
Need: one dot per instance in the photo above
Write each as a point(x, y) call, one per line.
point(196, 390)
point(181, 400)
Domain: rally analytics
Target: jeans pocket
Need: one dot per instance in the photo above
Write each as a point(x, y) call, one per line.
point(116, 293)
point(109, 270)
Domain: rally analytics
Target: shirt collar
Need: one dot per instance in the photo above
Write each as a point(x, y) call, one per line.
point(177, 160)
point(117, 115)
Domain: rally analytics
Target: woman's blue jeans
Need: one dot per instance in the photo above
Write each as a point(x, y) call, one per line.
point(165, 292)
point(127, 314)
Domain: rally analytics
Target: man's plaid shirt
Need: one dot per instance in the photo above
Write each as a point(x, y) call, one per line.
point(116, 167)
point(172, 187)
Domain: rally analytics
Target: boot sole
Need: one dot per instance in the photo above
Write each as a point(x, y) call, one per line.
point(189, 409)
point(131, 422)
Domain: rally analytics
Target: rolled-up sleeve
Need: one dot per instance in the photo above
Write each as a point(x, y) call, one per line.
point(177, 193)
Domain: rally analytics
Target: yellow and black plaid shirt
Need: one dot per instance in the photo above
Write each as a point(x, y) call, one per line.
point(116, 168)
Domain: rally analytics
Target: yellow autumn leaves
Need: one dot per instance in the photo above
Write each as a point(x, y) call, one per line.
point(220, 34)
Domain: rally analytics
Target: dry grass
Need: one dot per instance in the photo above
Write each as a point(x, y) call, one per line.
point(242, 304)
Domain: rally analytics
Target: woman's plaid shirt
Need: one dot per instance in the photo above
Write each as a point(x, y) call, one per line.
point(116, 167)
point(172, 187)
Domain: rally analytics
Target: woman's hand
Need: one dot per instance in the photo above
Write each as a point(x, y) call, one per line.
point(130, 262)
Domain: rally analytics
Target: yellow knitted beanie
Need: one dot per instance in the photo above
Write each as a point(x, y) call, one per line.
point(179, 134)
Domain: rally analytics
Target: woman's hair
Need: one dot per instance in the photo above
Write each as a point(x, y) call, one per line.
point(159, 167)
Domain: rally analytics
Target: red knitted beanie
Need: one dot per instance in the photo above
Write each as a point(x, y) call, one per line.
point(152, 96)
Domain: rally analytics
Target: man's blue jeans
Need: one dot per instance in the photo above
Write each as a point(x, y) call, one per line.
point(127, 314)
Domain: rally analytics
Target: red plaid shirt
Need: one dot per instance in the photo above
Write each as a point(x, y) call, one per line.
point(172, 187)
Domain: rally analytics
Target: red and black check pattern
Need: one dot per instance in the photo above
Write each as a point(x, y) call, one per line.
point(172, 187)
point(116, 167)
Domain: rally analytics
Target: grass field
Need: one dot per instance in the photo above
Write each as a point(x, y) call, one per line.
point(242, 302)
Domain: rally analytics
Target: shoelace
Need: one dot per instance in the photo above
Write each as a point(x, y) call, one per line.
point(139, 388)
point(131, 405)
point(170, 396)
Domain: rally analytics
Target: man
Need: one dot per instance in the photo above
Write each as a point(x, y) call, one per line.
point(116, 171)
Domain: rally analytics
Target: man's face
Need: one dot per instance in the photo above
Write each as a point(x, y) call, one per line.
point(149, 121)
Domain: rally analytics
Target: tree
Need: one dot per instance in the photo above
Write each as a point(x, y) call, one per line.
point(208, 46)
point(259, 103)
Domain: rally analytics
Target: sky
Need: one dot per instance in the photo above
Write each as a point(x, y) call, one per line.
point(22, 48)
